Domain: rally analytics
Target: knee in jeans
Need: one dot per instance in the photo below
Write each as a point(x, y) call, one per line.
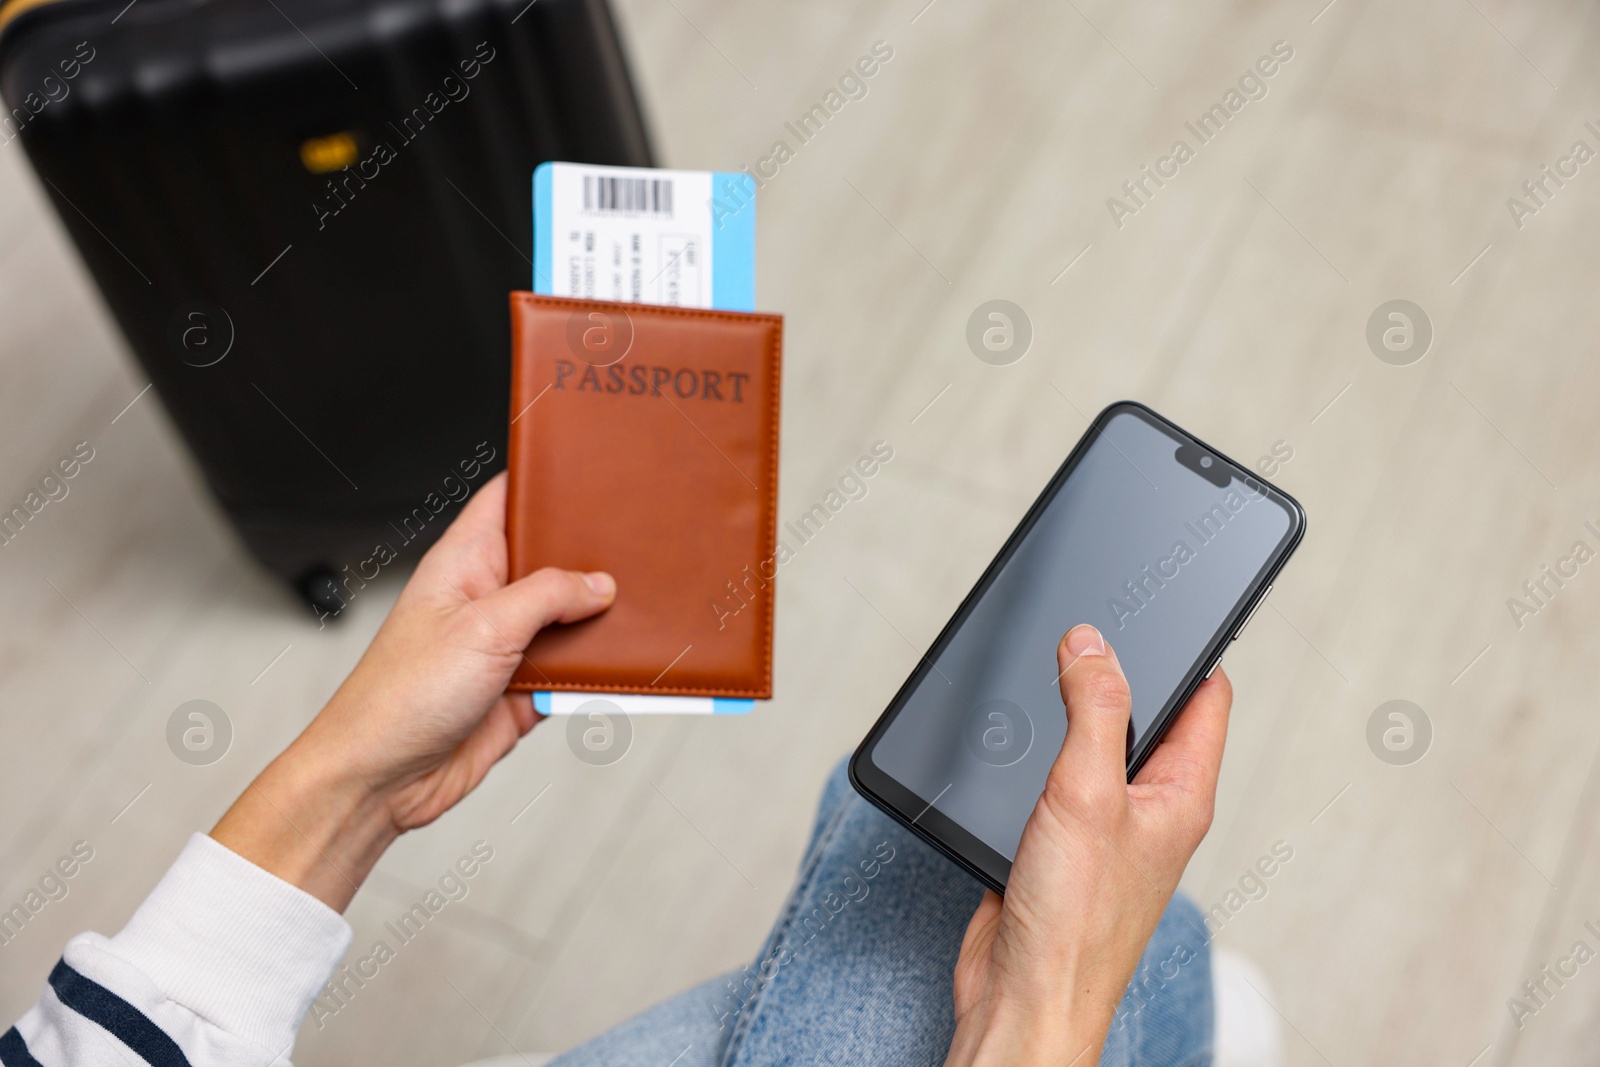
point(836, 791)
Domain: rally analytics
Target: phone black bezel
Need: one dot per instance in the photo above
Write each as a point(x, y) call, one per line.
point(916, 813)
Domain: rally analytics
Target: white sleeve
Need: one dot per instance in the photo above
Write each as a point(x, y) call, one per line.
point(218, 967)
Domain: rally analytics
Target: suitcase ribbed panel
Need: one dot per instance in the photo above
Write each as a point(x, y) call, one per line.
point(381, 334)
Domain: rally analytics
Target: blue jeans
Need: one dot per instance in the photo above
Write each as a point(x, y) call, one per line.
point(857, 970)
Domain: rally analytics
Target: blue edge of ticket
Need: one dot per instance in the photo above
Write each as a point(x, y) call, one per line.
point(563, 703)
point(645, 236)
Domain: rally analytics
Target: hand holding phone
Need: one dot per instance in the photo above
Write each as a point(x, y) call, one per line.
point(1042, 970)
point(1158, 540)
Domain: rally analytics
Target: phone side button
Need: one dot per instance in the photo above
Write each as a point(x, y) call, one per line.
point(1213, 669)
point(1253, 609)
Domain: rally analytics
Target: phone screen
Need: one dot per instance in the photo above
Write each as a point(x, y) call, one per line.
point(1151, 537)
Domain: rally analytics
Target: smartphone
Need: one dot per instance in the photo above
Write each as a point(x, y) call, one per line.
point(1157, 539)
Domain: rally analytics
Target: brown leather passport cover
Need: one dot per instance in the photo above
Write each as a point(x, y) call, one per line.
point(644, 442)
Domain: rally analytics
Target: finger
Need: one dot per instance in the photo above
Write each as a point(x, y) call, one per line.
point(526, 714)
point(981, 927)
point(480, 530)
point(1191, 753)
point(507, 722)
point(490, 741)
point(1098, 706)
point(548, 595)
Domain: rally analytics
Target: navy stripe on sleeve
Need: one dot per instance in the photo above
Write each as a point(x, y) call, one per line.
point(126, 1023)
point(14, 1051)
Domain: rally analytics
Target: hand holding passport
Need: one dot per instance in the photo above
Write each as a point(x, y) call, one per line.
point(644, 442)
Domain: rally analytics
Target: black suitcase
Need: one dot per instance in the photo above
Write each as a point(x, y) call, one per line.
point(306, 216)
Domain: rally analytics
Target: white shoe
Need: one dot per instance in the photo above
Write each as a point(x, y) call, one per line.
point(1247, 1029)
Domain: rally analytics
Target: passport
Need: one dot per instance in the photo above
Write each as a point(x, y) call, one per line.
point(644, 442)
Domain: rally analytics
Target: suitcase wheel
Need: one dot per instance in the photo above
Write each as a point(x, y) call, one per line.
point(321, 590)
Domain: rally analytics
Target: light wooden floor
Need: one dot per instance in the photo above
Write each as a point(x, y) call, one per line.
point(978, 166)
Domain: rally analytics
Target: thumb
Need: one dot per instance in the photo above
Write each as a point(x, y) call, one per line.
point(548, 595)
point(1093, 760)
